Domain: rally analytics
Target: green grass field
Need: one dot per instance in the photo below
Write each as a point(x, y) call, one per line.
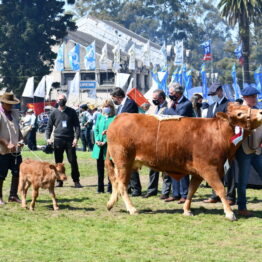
point(83, 230)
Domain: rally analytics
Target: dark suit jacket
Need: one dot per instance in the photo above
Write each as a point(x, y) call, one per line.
point(222, 107)
point(184, 108)
point(129, 106)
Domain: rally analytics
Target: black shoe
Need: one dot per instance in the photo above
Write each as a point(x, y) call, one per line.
point(14, 199)
point(78, 185)
point(136, 194)
point(59, 183)
point(149, 195)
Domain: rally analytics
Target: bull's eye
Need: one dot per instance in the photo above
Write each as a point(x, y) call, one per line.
point(239, 114)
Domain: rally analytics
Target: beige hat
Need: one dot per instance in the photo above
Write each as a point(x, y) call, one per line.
point(9, 98)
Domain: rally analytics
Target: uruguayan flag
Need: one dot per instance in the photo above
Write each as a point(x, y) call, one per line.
point(74, 57)
point(179, 52)
point(90, 57)
point(59, 62)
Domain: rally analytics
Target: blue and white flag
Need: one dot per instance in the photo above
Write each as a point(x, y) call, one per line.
point(235, 84)
point(174, 76)
point(180, 76)
point(59, 62)
point(239, 54)
point(258, 79)
point(162, 84)
point(204, 81)
point(90, 57)
point(74, 58)
point(228, 92)
point(188, 84)
point(207, 50)
point(184, 75)
point(179, 53)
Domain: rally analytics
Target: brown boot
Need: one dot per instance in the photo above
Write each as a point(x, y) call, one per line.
point(1, 193)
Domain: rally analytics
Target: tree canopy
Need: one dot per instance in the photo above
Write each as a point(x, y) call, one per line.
point(28, 30)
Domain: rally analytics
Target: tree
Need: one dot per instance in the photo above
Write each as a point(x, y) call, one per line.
point(29, 28)
point(242, 13)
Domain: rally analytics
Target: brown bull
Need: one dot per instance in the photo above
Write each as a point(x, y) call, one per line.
point(196, 146)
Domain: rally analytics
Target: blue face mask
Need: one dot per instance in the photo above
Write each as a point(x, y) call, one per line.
point(106, 110)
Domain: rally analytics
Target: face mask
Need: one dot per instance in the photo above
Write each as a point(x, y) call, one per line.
point(174, 98)
point(155, 102)
point(61, 102)
point(215, 98)
point(106, 110)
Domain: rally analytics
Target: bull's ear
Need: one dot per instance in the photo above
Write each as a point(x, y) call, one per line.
point(222, 115)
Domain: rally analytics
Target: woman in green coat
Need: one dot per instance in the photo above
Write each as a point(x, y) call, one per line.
point(99, 151)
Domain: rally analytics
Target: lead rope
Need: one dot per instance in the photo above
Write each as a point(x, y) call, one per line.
point(32, 153)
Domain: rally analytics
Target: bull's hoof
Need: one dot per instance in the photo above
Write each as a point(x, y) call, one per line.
point(231, 217)
point(24, 206)
point(188, 213)
point(56, 208)
point(133, 211)
point(109, 206)
point(31, 209)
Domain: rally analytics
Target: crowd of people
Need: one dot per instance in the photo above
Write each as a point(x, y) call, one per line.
point(65, 127)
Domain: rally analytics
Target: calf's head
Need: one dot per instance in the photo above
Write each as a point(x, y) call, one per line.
point(59, 171)
point(243, 116)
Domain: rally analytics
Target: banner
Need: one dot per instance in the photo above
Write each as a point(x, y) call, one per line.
point(104, 58)
point(74, 58)
point(146, 56)
point(179, 53)
point(235, 84)
point(59, 62)
point(74, 91)
point(49, 81)
point(40, 90)
point(89, 87)
point(116, 65)
point(163, 60)
point(132, 58)
point(258, 79)
point(29, 88)
point(39, 106)
point(207, 50)
point(121, 79)
point(239, 55)
point(189, 82)
point(204, 81)
point(90, 57)
point(174, 78)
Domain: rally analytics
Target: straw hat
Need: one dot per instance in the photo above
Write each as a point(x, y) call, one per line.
point(9, 98)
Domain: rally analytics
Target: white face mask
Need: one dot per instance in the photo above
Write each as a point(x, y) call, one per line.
point(215, 98)
point(106, 110)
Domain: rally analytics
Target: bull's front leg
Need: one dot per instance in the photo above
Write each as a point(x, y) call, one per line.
point(193, 186)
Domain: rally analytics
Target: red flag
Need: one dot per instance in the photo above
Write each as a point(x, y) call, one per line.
point(39, 106)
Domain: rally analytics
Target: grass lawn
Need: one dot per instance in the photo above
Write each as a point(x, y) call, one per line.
point(83, 230)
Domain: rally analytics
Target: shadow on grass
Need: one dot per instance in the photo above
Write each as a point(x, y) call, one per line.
point(195, 211)
point(68, 207)
point(65, 200)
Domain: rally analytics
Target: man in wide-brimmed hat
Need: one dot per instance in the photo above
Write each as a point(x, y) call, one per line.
point(10, 157)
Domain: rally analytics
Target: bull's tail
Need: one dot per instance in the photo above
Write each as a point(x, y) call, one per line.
point(110, 166)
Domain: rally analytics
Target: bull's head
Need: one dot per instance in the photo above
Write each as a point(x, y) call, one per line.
point(243, 116)
point(59, 171)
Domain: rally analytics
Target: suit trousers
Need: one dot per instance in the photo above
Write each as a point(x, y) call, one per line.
point(231, 181)
point(180, 188)
point(166, 187)
point(61, 145)
point(153, 182)
point(135, 183)
point(100, 164)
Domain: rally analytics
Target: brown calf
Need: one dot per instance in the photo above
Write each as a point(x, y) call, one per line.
point(39, 175)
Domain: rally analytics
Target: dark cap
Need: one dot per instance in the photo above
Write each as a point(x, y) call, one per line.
point(213, 88)
point(249, 91)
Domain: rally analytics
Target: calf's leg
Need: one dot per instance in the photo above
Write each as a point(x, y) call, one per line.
point(53, 196)
point(193, 186)
point(35, 192)
point(23, 190)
